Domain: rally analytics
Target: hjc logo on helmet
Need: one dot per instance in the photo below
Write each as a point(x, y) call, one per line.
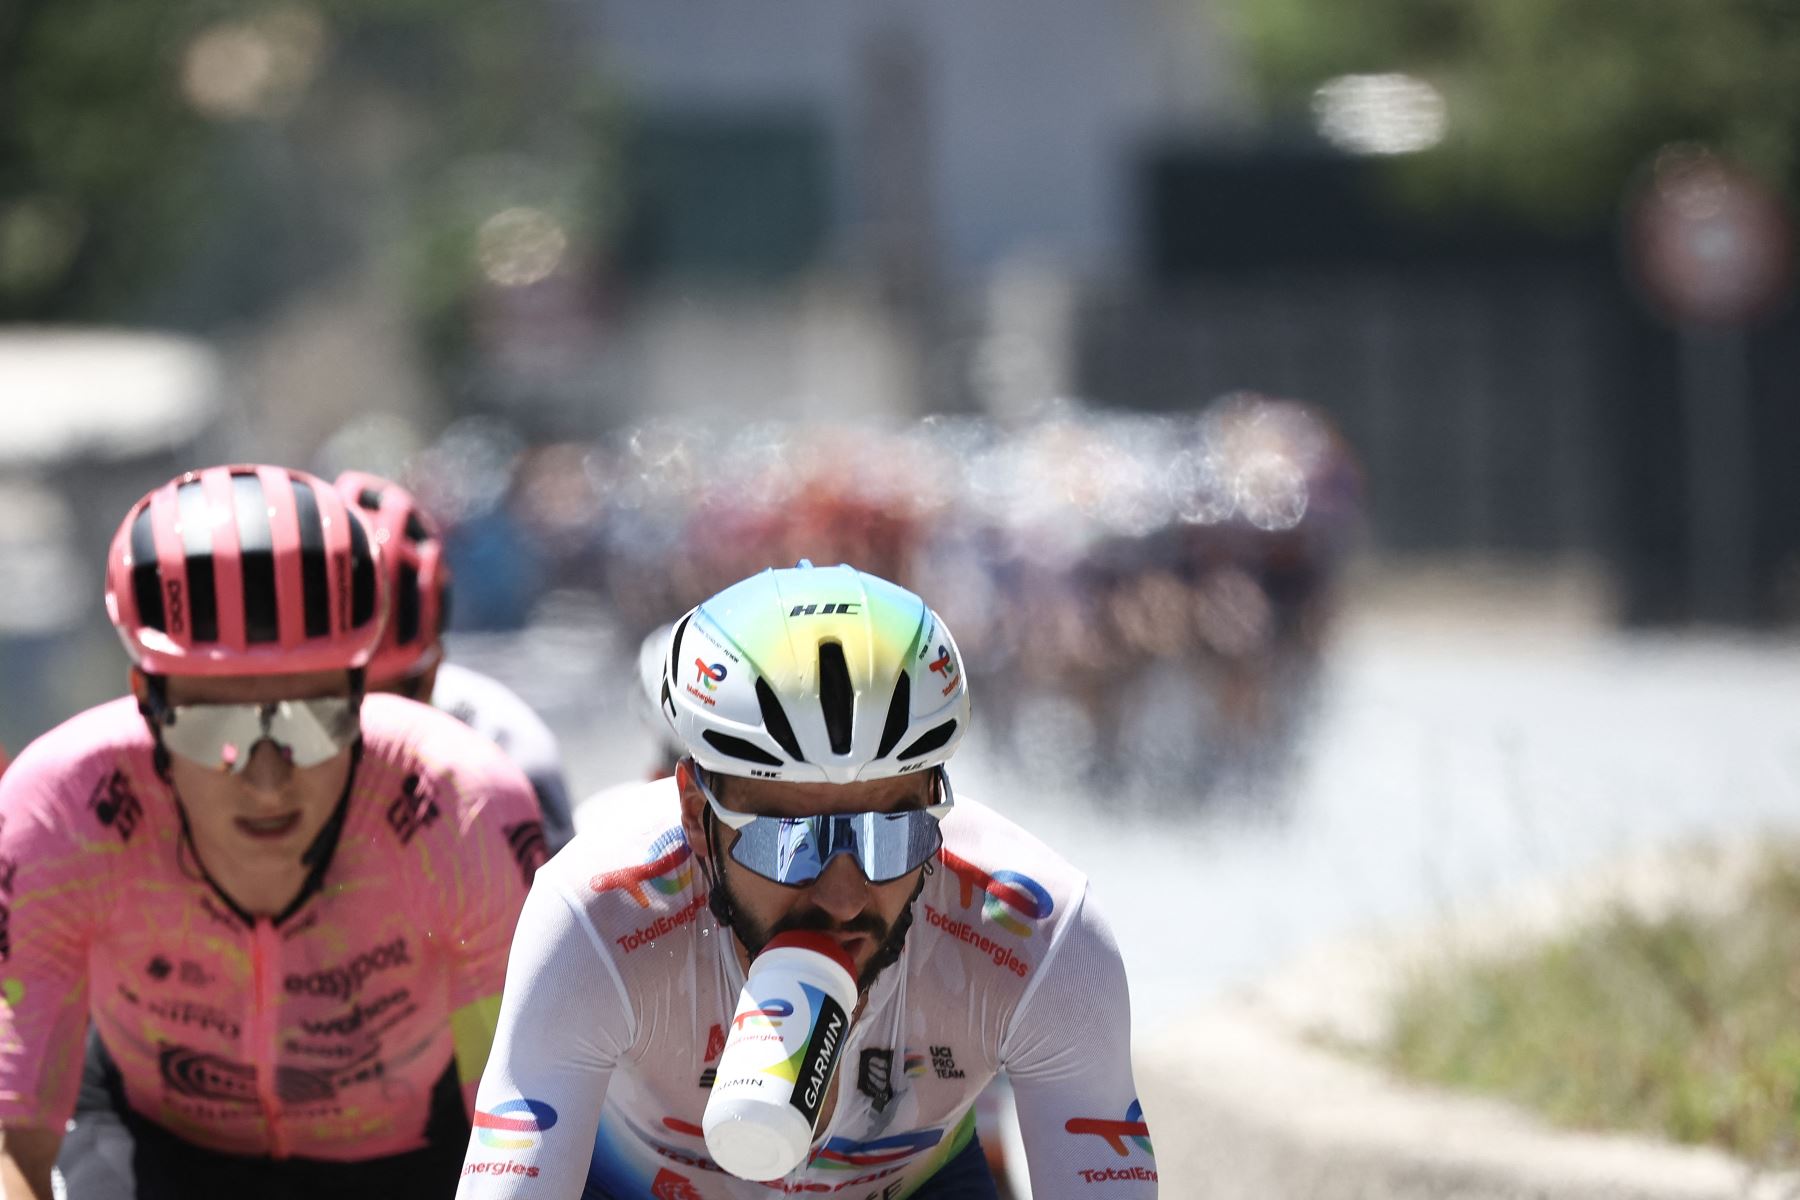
point(825, 610)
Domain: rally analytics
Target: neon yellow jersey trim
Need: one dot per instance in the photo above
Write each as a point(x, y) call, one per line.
point(472, 1029)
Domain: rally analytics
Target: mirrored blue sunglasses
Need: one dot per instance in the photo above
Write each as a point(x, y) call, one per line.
point(796, 850)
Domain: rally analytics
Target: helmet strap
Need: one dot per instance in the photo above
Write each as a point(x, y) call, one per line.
point(153, 706)
point(713, 868)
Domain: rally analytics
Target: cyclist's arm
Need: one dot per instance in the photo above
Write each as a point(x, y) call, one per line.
point(498, 857)
point(53, 885)
point(26, 1156)
point(1068, 1055)
point(563, 1027)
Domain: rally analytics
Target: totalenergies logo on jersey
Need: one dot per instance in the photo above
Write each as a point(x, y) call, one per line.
point(770, 1014)
point(670, 871)
point(1117, 1134)
point(515, 1124)
point(1011, 900)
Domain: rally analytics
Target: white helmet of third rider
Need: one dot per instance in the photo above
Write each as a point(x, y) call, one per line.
point(816, 675)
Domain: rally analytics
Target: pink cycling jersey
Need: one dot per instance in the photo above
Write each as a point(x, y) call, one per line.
point(321, 1036)
point(621, 987)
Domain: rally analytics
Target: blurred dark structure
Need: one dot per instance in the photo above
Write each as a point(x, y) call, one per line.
point(1506, 387)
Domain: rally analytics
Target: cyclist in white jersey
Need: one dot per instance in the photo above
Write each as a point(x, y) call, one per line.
point(992, 1121)
point(411, 662)
point(817, 708)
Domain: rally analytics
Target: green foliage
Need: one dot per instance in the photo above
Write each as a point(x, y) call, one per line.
point(1554, 104)
point(123, 197)
point(1686, 1028)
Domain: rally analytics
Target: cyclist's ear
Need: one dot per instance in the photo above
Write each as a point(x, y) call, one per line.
point(693, 807)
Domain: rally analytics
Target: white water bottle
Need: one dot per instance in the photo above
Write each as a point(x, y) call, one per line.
point(787, 1035)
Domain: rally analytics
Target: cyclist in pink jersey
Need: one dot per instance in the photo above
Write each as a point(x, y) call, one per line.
point(817, 708)
point(275, 912)
point(410, 660)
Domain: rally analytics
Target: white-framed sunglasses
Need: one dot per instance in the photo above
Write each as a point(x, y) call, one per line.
point(224, 736)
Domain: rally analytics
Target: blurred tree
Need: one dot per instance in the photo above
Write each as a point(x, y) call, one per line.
point(193, 162)
point(1553, 104)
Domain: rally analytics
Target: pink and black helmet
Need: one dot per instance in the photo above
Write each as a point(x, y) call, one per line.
point(418, 577)
point(245, 570)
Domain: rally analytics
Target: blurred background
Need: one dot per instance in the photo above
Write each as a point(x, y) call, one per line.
point(1351, 446)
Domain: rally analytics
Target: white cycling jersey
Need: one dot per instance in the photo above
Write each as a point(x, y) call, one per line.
point(621, 986)
point(497, 713)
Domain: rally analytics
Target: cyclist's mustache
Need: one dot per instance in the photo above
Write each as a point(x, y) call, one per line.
point(815, 920)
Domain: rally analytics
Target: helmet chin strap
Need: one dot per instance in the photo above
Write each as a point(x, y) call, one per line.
point(713, 867)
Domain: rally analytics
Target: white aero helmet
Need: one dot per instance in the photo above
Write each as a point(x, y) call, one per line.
point(817, 675)
point(652, 662)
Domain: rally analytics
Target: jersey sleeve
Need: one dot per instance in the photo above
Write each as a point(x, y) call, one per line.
point(1067, 1053)
point(564, 1025)
point(52, 887)
point(500, 847)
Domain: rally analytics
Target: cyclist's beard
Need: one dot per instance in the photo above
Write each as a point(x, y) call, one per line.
point(889, 939)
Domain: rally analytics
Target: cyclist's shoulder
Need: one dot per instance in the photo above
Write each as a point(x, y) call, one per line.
point(418, 736)
point(999, 895)
point(632, 862)
point(983, 839)
point(86, 788)
point(64, 765)
point(412, 749)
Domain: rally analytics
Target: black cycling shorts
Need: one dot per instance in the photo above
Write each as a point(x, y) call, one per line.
point(113, 1152)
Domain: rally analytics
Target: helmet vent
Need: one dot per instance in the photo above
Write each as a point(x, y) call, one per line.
point(930, 741)
point(737, 747)
point(362, 576)
point(369, 499)
point(406, 606)
point(146, 577)
point(315, 586)
point(415, 529)
point(256, 554)
point(675, 648)
point(837, 698)
point(898, 710)
point(196, 539)
point(775, 720)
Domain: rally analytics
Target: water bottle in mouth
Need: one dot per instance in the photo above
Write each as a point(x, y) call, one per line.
point(786, 1038)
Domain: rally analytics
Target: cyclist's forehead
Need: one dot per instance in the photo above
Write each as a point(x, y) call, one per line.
point(256, 689)
point(778, 798)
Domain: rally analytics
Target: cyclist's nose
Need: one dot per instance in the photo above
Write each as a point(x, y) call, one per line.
point(842, 890)
point(269, 769)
